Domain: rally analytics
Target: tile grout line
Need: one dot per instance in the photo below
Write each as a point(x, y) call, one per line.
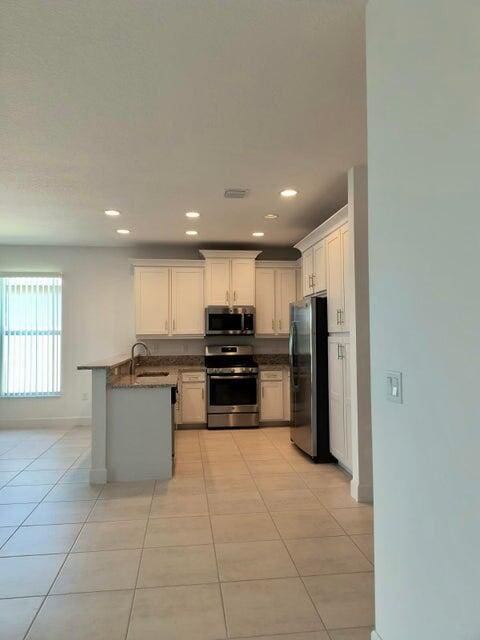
point(141, 559)
point(293, 561)
point(56, 575)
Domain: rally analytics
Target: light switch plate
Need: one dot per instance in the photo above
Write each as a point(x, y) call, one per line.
point(395, 386)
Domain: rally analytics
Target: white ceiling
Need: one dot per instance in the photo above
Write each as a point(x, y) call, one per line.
point(154, 107)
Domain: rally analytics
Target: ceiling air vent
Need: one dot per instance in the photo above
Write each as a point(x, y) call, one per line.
point(235, 193)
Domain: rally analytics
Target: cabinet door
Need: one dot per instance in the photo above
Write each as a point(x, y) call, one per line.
point(307, 272)
point(335, 396)
point(320, 272)
point(243, 281)
point(347, 404)
point(217, 282)
point(271, 403)
point(193, 402)
point(265, 301)
point(285, 293)
point(151, 301)
point(346, 277)
point(334, 281)
point(187, 301)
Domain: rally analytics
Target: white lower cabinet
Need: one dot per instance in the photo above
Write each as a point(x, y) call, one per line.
point(193, 408)
point(274, 396)
point(340, 399)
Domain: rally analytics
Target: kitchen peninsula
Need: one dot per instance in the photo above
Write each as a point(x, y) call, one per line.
point(132, 421)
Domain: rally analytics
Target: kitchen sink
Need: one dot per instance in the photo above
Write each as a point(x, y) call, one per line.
point(152, 374)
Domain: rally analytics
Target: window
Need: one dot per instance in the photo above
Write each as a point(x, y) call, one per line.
point(30, 336)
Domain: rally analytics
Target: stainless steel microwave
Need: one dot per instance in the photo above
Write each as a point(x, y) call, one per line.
point(229, 321)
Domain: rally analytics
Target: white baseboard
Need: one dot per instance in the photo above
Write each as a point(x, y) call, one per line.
point(375, 636)
point(361, 492)
point(98, 476)
point(43, 423)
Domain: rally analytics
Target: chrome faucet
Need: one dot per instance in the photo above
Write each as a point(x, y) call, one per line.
point(132, 360)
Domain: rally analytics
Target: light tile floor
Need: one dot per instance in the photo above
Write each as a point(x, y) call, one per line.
point(250, 539)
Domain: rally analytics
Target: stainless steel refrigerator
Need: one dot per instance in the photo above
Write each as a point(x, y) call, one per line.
point(308, 350)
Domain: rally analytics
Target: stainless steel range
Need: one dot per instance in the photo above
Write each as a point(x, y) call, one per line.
point(232, 379)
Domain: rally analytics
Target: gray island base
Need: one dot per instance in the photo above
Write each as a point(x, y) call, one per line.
point(131, 424)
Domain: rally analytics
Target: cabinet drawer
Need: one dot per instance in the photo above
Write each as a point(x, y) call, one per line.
point(271, 375)
point(193, 376)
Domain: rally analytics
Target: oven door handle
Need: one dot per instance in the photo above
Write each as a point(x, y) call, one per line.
point(235, 377)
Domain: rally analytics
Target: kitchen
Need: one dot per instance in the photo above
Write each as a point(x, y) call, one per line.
point(180, 178)
point(192, 276)
point(233, 304)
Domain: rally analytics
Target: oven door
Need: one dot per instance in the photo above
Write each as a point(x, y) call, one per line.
point(233, 393)
point(220, 321)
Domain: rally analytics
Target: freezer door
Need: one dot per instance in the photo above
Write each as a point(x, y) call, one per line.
point(301, 345)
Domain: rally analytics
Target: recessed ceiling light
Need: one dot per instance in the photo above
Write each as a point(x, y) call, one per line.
point(112, 213)
point(123, 232)
point(192, 214)
point(271, 216)
point(191, 232)
point(288, 193)
point(258, 234)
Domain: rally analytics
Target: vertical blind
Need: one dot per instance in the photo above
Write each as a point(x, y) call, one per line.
point(30, 335)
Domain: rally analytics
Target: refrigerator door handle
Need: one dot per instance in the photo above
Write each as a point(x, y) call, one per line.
point(291, 352)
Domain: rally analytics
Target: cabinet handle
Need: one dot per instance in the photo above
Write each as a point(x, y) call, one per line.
point(203, 393)
point(234, 296)
point(263, 390)
point(342, 316)
point(338, 316)
point(339, 351)
point(313, 281)
point(227, 297)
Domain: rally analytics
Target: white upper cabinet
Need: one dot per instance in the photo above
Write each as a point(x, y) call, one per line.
point(275, 290)
point(285, 293)
point(187, 301)
point(314, 269)
point(229, 277)
point(307, 272)
point(338, 270)
point(169, 301)
point(346, 267)
point(217, 282)
point(320, 270)
point(326, 268)
point(242, 283)
point(152, 308)
point(334, 280)
point(265, 301)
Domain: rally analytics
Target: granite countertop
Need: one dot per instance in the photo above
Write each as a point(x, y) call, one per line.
point(127, 381)
point(106, 363)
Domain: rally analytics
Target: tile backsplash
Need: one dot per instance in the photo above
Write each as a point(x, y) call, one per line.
point(196, 346)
